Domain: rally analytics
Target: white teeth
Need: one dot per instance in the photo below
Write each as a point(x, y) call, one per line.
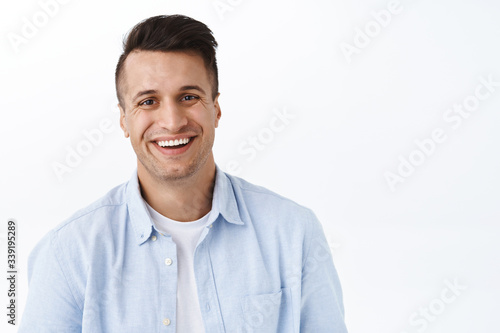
point(173, 142)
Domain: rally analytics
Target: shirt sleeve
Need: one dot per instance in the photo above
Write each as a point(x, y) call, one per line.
point(51, 305)
point(322, 309)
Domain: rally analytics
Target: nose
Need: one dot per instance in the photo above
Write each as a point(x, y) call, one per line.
point(171, 117)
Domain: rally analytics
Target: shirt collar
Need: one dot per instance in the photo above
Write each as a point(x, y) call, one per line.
point(224, 199)
point(223, 203)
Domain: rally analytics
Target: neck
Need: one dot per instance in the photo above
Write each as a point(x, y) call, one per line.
point(182, 200)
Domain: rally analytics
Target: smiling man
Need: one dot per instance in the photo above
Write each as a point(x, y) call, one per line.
point(182, 246)
point(170, 112)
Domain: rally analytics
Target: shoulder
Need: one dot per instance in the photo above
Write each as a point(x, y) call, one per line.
point(278, 219)
point(96, 213)
point(85, 232)
point(261, 199)
point(89, 228)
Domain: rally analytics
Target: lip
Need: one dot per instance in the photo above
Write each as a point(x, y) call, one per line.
point(173, 151)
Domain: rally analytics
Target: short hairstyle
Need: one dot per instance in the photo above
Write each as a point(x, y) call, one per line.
point(171, 33)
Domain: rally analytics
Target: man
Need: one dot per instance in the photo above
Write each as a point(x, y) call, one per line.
point(182, 246)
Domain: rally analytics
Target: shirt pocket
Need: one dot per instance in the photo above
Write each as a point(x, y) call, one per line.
point(267, 313)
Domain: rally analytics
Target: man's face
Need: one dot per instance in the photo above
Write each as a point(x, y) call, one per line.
point(168, 101)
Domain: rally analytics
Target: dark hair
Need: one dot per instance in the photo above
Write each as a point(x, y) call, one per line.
point(171, 33)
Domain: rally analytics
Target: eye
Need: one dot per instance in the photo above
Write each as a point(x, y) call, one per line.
point(189, 98)
point(147, 102)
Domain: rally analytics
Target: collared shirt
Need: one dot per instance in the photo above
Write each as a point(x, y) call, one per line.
point(185, 236)
point(262, 264)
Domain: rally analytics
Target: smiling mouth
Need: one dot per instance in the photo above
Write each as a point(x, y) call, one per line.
point(174, 144)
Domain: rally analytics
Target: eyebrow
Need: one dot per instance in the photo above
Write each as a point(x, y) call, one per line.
point(193, 87)
point(144, 92)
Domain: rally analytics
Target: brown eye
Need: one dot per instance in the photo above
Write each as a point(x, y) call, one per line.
point(189, 98)
point(147, 102)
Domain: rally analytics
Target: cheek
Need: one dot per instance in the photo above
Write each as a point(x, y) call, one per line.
point(209, 117)
point(200, 117)
point(139, 124)
point(209, 123)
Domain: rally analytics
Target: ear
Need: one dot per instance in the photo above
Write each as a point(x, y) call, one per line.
point(217, 110)
point(123, 123)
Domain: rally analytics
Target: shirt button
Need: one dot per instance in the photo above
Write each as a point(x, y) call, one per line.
point(168, 261)
point(166, 321)
point(153, 238)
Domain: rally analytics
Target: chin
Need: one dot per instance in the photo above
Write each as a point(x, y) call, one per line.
point(177, 172)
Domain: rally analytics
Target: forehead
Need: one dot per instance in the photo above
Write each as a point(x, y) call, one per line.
point(163, 71)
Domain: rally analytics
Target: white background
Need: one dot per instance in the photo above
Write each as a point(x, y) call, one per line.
point(355, 117)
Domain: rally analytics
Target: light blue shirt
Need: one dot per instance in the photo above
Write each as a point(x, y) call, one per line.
point(262, 264)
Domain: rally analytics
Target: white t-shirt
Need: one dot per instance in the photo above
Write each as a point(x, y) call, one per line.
point(185, 235)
